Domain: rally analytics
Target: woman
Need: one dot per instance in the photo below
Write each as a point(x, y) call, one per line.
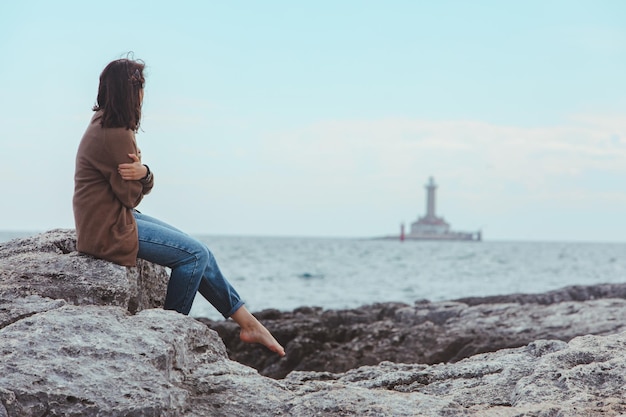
point(110, 181)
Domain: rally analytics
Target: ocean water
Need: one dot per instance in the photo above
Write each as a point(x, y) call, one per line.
point(288, 272)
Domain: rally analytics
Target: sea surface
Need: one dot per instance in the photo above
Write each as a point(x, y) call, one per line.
point(289, 272)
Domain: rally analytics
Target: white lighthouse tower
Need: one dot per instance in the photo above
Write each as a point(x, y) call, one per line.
point(430, 224)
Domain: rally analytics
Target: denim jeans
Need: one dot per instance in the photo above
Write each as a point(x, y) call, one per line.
point(193, 267)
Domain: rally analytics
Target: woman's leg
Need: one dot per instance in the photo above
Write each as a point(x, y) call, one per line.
point(194, 269)
point(192, 265)
point(211, 283)
point(145, 217)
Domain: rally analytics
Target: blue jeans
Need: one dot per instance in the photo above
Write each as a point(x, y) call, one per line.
point(193, 267)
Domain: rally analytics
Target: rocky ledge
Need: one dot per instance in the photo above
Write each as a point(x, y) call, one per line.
point(96, 346)
point(427, 333)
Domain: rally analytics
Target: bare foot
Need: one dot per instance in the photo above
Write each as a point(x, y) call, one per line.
point(263, 336)
point(252, 331)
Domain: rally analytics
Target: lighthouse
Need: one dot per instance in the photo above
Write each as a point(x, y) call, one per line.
point(430, 224)
point(431, 188)
point(431, 227)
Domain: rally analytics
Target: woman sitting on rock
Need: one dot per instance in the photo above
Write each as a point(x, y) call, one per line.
point(110, 181)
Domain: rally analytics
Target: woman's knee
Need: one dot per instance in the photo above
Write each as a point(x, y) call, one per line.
point(202, 252)
point(206, 256)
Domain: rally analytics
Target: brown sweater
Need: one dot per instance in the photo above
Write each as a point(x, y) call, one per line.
point(103, 202)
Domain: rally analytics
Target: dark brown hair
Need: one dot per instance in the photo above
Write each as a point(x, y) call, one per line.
point(119, 94)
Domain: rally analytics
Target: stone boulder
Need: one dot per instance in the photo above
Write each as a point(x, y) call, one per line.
point(47, 265)
point(101, 361)
point(584, 377)
point(427, 333)
point(78, 338)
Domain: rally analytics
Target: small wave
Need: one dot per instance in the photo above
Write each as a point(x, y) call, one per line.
point(308, 275)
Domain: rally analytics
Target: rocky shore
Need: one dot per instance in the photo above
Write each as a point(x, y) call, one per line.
point(427, 333)
point(83, 337)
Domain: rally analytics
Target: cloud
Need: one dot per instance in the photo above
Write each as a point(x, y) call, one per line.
point(363, 177)
point(484, 170)
point(469, 152)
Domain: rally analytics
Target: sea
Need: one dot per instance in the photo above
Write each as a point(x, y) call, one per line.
point(285, 273)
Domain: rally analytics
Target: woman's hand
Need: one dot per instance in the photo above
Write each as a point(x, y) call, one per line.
point(134, 170)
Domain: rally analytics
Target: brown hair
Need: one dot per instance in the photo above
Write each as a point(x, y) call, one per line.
point(119, 94)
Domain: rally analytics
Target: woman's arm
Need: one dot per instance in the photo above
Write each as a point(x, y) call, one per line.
point(136, 171)
point(133, 171)
point(119, 148)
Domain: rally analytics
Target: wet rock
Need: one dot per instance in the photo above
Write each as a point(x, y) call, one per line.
point(572, 293)
point(427, 333)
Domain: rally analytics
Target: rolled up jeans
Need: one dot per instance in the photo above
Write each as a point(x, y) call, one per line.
point(194, 268)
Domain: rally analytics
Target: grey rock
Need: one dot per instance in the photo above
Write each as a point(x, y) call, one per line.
point(49, 266)
point(68, 353)
point(571, 293)
point(544, 378)
point(427, 333)
point(101, 361)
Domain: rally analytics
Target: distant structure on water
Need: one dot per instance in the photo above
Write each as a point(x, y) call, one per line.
point(431, 227)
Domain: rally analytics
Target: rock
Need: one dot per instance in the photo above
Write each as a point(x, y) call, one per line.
point(544, 378)
point(427, 333)
point(76, 353)
point(48, 265)
point(572, 293)
point(101, 361)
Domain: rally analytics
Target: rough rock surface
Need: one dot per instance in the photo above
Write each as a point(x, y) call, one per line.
point(49, 266)
point(100, 361)
point(75, 356)
point(428, 333)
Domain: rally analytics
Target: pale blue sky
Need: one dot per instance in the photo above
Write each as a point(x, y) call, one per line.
point(326, 118)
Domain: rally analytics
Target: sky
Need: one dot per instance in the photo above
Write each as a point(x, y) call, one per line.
point(326, 118)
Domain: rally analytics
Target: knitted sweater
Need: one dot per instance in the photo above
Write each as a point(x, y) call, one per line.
point(103, 202)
